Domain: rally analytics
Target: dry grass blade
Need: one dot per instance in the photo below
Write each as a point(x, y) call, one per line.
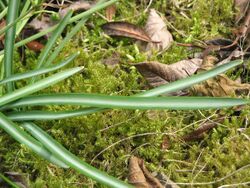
point(125, 29)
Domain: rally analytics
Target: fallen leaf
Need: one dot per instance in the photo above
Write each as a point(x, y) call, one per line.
point(158, 32)
point(35, 46)
point(125, 29)
point(42, 24)
point(158, 73)
point(139, 176)
point(110, 12)
point(219, 86)
point(242, 7)
point(200, 131)
point(76, 6)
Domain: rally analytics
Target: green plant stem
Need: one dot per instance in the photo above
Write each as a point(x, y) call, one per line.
point(9, 41)
point(130, 102)
point(3, 13)
point(97, 7)
point(21, 136)
point(49, 115)
point(41, 84)
point(52, 40)
point(8, 181)
point(72, 160)
point(20, 76)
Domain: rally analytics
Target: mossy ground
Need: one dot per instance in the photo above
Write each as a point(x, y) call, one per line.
point(118, 134)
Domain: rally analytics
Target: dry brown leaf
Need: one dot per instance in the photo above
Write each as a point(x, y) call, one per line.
point(110, 12)
point(42, 24)
point(157, 73)
point(35, 46)
point(125, 29)
point(219, 86)
point(242, 7)
point(76, 6)
point(139, 176)
point(158, 32)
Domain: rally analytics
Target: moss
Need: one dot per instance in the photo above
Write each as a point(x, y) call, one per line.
point(118, 134)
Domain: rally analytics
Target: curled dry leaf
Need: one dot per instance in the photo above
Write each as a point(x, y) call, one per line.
point(110, 12)
point(219, 86)
point(76, 6)
point(139, 176)
point(125, 29)
point(158, 32)
point(157, 73)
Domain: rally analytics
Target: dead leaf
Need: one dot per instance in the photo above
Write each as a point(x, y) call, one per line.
point(219, 86)
point(110, 12)
point(125, 29)
point(157, 31)
point(139, 176)
point(200, 131)
point(76, 6)
point(242, 7)
point(158, 73)
point(42, 24)
point(35, 46)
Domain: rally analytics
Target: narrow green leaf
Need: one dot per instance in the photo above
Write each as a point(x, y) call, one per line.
point(130, 102)
point(64, 42)
point(49, 115)
point(41, 84)
point(40, 71)
point(3, 13)
point(92, 10)
point(8, 181)
point(100, 5)
point(72, 160)
point(189, 81)
point(24, 138)
point(9, 41)
point(46, 51)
